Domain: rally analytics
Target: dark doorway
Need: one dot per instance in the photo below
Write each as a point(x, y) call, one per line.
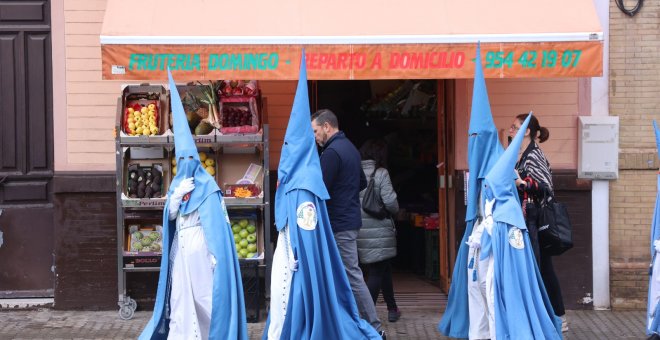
point(404, 114)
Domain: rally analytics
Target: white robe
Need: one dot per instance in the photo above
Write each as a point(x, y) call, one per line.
point(191, 279)
point(481, 301)
point(280, 286)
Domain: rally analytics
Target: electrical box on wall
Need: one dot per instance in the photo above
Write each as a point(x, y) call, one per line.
point(598, 147)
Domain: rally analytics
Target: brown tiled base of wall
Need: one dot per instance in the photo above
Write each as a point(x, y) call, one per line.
point(86, 245)
point(629, 284)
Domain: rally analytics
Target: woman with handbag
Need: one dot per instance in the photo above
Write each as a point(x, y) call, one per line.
point(377, 238)
point(534, 185)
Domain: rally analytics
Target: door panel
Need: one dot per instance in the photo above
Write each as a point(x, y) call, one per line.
point(8, 58)
point(38, 81)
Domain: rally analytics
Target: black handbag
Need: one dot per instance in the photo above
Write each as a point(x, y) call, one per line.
point(554, 227)
point(372, 204)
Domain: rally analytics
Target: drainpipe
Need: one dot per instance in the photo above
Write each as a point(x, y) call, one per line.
point(600, 189)
point(600, 236)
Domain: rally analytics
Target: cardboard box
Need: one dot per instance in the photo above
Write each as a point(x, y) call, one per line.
point(131, 166)
point(233, 168)
point(142, 96)
point(239, 115)
point(248, 230)
point(138, 253)
point(141, 240)
point(142, 260)
point(191, 98)
point(239, 190)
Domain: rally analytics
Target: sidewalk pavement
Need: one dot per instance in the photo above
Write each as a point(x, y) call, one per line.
point(414, 324)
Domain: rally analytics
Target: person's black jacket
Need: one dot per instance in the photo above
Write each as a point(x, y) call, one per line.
point(344, 179)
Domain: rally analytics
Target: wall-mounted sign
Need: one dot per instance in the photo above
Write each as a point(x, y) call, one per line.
point(403, 61)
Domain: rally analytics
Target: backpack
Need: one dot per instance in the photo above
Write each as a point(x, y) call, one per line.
point(372, 203)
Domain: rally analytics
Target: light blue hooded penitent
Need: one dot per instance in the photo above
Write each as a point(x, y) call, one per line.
point(321, 304)
point(228, 309)
point(484, 149)
point(653, 307)
point(522, 306)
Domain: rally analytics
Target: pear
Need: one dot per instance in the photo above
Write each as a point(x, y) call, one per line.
point(193, 119)
point(203, 128)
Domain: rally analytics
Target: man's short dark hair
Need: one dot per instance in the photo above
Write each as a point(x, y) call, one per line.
point(325, 116)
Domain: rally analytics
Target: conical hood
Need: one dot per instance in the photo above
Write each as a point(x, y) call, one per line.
point(655, 223)
point(484, 146)
point(501, 185)
point(300, 167)
point(187, 158)
point(183, 141)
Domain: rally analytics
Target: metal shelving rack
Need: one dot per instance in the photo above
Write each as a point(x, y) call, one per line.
point(125, 211)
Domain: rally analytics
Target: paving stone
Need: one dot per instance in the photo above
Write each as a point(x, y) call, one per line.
point(47, 324)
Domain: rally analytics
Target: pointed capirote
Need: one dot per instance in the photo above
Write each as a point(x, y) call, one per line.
point(299, 167)
point(500, 182)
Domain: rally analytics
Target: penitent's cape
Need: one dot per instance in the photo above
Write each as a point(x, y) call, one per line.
point(653, 307)
point(228, 309)
point(321, 304)
point(522, 306)
point(484, 149)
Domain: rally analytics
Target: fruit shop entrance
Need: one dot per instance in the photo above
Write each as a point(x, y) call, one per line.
point(404, 114)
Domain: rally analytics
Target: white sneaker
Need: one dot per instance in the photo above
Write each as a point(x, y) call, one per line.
point(564, 323)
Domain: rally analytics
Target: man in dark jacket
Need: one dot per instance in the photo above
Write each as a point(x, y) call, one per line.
point(344, 179)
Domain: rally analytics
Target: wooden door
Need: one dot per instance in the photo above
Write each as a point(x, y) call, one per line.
point(446, 201)
point(443, 184)
point(26, 150)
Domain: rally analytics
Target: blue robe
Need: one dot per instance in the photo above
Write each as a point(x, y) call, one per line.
point(484, 149)
point(321, 304)
point(228, 320)
point(653, 308)
point(455, 322)
point(522, 307)
point(521, 303)
point(228, 311)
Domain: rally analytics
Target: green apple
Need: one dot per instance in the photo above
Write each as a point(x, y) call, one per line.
point(251, 228)
point(239, 255)
point(243, 252)
point(235, 228)
point(249, 255)
point(243, 243)
point(252, 238)
point(252, 248)
point(243, 233)
point(243, 223)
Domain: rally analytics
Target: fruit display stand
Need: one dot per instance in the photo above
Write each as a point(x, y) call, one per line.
point(139, 211)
